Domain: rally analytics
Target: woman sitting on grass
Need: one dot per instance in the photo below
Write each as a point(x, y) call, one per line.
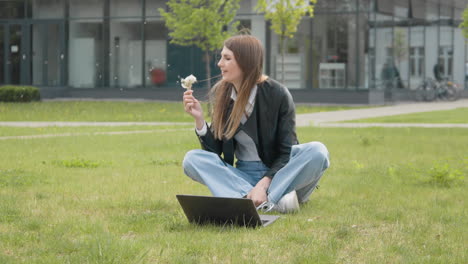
point(253, 119)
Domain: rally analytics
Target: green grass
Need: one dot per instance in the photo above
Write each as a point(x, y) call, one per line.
point(305, 109)
point(111, 199)
point(96, 111)
point(455, 116)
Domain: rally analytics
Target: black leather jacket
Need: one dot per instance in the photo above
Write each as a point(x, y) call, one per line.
point(272, 126)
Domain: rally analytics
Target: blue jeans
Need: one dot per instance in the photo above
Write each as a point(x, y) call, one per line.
point(302, 173)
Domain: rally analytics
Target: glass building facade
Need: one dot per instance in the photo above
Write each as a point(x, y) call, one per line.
point(123, 44)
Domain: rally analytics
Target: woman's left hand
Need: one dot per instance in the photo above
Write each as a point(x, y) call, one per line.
point(259, 193)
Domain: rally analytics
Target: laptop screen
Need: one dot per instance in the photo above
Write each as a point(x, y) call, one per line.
point(219, 210)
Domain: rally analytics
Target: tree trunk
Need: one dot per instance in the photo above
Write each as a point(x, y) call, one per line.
point(208, 77)
point(282, 59)
point(208, 69)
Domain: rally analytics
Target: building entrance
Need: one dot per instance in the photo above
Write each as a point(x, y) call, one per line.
point(14, 54)
point(32, 53)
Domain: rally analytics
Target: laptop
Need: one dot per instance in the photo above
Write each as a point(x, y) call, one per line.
point(223, 211)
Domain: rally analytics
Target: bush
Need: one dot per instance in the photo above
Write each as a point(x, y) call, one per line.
point(11, 93)
point(443, 175)
point(77, 163)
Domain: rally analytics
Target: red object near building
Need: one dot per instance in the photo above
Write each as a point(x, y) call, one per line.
point(158, 76)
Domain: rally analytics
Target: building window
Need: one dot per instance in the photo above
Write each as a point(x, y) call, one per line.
point(86, 9)
point(371, 64)
point(2, 55)
point(125, 53)
point(332, 75)
point(389, 54)
point(11, 9)
point(466, 65)
point(48, 9)
point(416, 61)
point(333, 53)
point(85, 54)
point(446, 60)
point(156, 65)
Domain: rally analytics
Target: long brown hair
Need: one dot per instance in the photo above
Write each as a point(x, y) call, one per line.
point(248, 52)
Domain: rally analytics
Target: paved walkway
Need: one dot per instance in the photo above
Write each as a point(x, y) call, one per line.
point(94, 133)
point(78, 124)
point(329, 118)
point(326, 119)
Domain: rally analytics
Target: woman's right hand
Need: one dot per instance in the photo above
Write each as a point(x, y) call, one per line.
point(193, 107)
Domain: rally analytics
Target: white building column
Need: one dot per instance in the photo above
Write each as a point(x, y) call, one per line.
point(258, 27)
point(459, 57)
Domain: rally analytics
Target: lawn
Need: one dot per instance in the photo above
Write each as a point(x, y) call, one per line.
point(94, 111)
point(113, 111)
point(455, 116)
point(305, 108)
point(391, 195)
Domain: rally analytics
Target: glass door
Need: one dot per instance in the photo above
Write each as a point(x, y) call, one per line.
point(2, 54)
point(15, 54)
point(48, 53)
point(32, 53)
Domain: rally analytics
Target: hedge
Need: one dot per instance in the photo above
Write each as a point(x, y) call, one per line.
point(12, 93)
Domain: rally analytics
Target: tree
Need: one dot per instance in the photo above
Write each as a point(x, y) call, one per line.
point(203, 23)
point(464, 24)
point(285, 16)
point(400, 46)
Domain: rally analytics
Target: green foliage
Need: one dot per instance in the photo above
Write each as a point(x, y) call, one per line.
point(285, 15)
point(464, 24)
point(369, 140)
point(205, 24)
point(305, 109)
point(12, 93)
point(443, 175)
point(77, 163)
point(200, 23)
point(165, 162)
point(400, 46)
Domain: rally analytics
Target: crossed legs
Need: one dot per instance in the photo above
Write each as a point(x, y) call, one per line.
point(302, 173)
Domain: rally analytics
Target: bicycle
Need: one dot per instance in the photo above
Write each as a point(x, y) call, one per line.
point(430, 90)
